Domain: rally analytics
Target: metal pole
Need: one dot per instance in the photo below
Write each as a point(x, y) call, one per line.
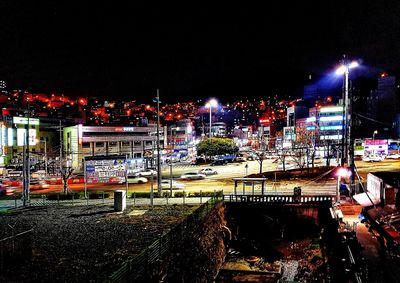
point(45, 155)
point(344, 121)
point(158, 144)
point(151, 190)
point(347, 128)
point(210, 119)
point(61, 149)
point(84, 178)
point(170, 177)
point(28, 163)
point(126, 175)
point(24, 178)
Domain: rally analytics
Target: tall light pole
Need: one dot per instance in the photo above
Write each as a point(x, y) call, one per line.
point(158, 144)
point(344, 69)
point(347, 144)
point(212, 102)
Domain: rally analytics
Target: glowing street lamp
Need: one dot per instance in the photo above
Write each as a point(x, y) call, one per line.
point(212, 102)
point(344, 69)
point(373, 135)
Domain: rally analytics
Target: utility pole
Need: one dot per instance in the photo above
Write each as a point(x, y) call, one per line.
point(26, 162)
point(61, 149)
point(158, 144)
point(45, 155)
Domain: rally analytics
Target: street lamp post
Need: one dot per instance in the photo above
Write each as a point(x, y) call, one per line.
point(347, 144)
point(344, 69)
point(373, 135)
point(210, 104)
point(158, 145)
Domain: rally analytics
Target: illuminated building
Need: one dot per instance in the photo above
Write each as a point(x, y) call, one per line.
point(135, 142)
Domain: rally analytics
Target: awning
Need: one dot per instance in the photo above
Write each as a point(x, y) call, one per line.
point(365, 200)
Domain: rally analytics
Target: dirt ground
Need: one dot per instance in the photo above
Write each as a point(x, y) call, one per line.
point(81, 243)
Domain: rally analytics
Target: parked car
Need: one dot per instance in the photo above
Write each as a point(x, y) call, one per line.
point(393, 156)
point(218, 162)
point(146, 173)
point(240, 159)
point(166, 184)
point(136, 180)
point(192, 176)
point(208, 171)
point(372, 158)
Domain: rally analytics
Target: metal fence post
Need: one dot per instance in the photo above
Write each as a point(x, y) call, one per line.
point(167, 197)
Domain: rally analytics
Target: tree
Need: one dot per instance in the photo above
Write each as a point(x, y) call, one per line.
point(216, 146)
point(65, 174)
point(306, 140)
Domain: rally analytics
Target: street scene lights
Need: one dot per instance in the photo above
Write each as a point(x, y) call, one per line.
point(211, 103)
point(344, 69)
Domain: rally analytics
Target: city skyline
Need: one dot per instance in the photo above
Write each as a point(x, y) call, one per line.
point(103, 50)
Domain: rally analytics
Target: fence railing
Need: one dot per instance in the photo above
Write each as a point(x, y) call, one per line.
point(104, 198)
point(279, 198)
point(141, 264)
point(15, 249)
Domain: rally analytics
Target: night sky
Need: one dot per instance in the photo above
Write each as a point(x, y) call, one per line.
point(123, 52)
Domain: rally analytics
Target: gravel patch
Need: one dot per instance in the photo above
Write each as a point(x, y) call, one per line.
point(85, 243)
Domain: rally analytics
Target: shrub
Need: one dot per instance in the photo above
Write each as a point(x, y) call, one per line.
point(98, 195)
point(62, 196)
point(180, 194)
point(144, 195)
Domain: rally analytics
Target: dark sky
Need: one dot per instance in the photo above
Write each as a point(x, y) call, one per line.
point(98, 49)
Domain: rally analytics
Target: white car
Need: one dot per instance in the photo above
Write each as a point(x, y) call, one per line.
point(146, 173)
point(240, 159)
point(137, 180)
point(208, 171)
point(192, 176)
point(393, 156)
point(372, 158)
point(166, 184)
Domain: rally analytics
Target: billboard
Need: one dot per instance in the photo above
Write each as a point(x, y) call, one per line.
point(105, 169)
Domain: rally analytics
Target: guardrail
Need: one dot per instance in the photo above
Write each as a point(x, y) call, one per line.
point(279, 198)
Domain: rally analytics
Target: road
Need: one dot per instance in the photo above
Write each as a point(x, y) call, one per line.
point(223, 180)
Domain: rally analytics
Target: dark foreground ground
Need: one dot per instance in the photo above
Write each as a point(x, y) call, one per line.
point(79, 244)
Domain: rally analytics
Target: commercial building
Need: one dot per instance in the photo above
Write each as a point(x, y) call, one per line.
point(135, 142)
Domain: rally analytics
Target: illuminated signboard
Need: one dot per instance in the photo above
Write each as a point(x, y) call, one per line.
point(10, 137)
point(21, 134)
point(25, 121)
point(103, 169)
point(376, 142)
point(124, 129)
